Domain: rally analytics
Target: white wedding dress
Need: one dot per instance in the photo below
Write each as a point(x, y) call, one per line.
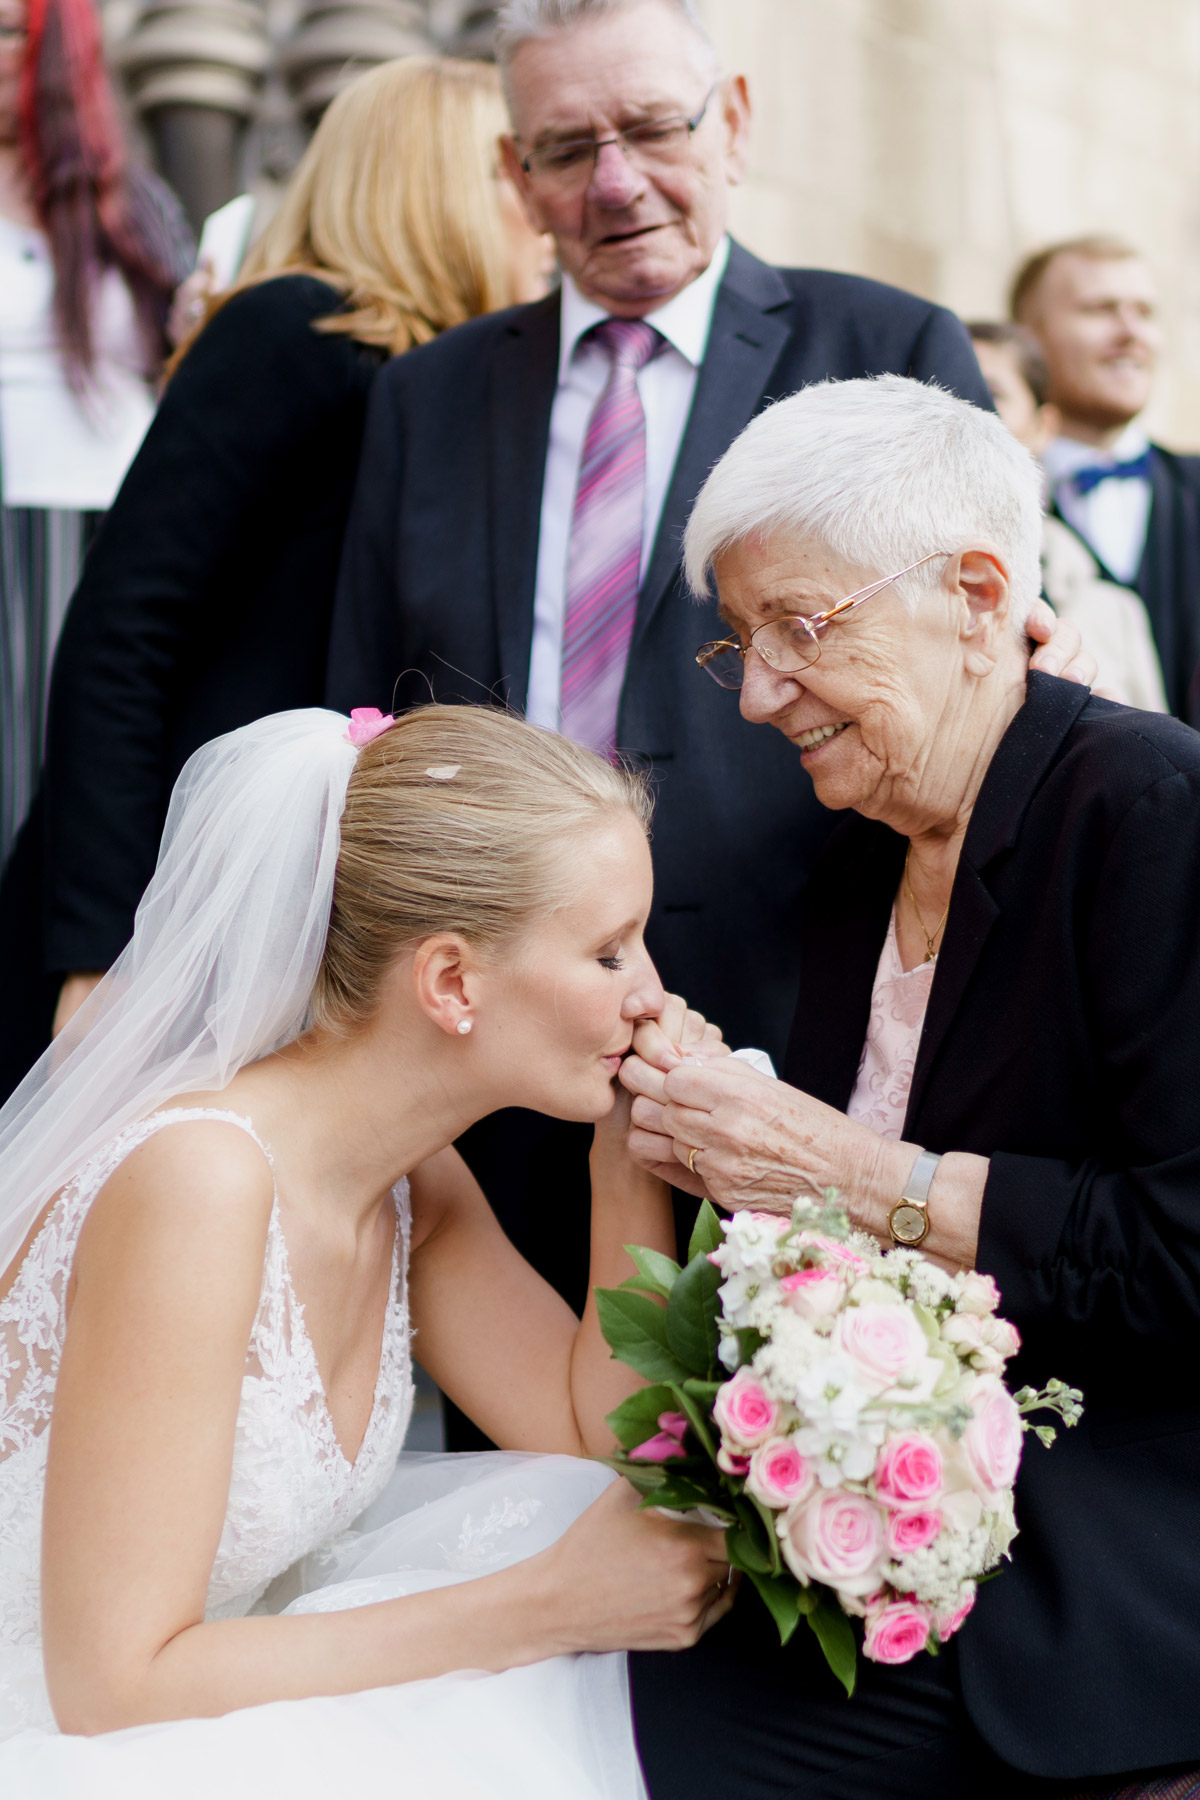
point(307, 1531)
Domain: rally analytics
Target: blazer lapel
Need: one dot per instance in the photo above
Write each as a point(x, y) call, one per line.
point(744, 345)
point(523, 379)
point(1024, 754)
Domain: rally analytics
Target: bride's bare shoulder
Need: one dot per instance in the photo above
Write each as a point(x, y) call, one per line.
point(195, 1194)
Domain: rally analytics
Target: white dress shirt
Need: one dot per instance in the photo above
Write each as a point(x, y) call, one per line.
point(666, 385)
point(1114, 517)
point(57, 449)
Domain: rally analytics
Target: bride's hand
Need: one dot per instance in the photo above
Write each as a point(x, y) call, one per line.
point(660, 1045)
point(678, 1031)
point(630, 1580)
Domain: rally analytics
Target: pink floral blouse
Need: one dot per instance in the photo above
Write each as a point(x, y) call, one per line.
point(898, 1002)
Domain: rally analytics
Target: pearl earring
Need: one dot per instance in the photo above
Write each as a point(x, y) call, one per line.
point(464, 1025)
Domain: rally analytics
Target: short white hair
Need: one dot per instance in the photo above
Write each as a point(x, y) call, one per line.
point(881, 472)
point(519, 20)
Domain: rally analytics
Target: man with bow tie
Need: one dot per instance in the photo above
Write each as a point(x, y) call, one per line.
point(1092, 304)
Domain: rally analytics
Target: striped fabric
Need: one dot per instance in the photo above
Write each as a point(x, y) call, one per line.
point(1184, 1786)
point(604, 562)
point(41, 554)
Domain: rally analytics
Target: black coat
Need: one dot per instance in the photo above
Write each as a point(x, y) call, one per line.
point(203, 604)
point(205, 601)
point(1062, 1041)
point(437, 586)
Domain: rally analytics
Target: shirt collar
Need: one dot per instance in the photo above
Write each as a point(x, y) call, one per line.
point(1065, 456)
point(684, 320)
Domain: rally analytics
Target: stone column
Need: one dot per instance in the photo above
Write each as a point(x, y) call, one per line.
point(192, 70)
point(336, 40)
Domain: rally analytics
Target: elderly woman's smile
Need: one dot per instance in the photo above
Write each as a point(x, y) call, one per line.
point(909, 687)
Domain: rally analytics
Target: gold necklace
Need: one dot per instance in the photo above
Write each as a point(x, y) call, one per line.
point(929, 936)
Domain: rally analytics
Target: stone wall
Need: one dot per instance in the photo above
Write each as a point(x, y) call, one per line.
point(934, 142)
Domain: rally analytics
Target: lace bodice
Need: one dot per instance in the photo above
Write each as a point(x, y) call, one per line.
point(291, 1487)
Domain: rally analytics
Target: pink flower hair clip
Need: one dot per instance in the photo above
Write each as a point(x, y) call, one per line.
point(367, 722)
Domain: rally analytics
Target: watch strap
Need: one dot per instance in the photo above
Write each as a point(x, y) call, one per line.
point(917, 1187)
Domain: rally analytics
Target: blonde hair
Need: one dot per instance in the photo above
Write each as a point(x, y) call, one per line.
point(458, 819)
point(395, 204)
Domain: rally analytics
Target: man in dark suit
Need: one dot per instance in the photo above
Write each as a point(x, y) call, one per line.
point(474, 534)
point(1093, 305)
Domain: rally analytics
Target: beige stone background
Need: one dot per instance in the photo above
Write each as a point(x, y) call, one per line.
point(932, 143)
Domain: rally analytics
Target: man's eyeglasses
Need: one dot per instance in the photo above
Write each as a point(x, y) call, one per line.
point(789, 645)
point(655, 144)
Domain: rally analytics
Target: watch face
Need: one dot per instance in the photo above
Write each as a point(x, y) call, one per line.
point(908, 1223)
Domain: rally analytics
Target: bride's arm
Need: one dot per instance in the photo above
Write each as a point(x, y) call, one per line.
point(164, 1292)
point(492, 1333)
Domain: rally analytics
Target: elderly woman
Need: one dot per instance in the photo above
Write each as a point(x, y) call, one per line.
point(995, 1057)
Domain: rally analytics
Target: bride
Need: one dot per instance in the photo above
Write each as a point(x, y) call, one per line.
point(229, 1198)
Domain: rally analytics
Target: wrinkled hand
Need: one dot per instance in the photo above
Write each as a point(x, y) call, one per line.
point(658, 1046)
point(758, 1142)
point(663, 1041)
point(1064, 653)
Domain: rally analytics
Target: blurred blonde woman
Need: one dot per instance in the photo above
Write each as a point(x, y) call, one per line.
point(205, 603)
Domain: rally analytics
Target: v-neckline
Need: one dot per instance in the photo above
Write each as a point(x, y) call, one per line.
point(301, 1327)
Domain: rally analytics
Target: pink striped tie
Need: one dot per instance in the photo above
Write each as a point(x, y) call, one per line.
point(604, 564)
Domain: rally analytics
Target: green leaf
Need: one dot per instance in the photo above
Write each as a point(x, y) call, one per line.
point(745, 1552)
point(683, 1495)
point(750, 1342)
point(703, 1391)
point(636, 1419)
point(692, 1330)
point(768, 1520)
point(782, 1597)
point(658, 1273)
point(835, 1634)
point(706, 1232)
point(697, 1416)
point(635, 1330)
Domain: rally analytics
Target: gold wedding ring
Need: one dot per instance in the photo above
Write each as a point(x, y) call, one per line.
point(692, 1159)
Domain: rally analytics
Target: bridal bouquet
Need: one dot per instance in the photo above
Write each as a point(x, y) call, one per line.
point(839, 1409)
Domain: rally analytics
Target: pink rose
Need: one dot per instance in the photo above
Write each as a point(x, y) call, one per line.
point(946, 1624)
point(732, 1461)
point(840, 1254)
point(979, 1293)
point(991, 1442)
point(908, 1473)
point(896, 1633)
point(882, 1342)
point(984, 1341)
point(779, 1474)
point(744, 1412)
point(912, 1530)
point(836, 1537)
point(814, 1293)
point(672, 1428)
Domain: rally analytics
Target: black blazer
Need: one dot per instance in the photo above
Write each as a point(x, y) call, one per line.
point(1168, 578)
point(437, 586)
point(1062, 1041)
point(205, 601)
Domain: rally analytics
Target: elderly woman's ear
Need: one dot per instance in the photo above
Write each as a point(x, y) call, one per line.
point(985, 628)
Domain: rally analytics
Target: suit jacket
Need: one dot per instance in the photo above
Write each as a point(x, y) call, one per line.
point(1062, 1041)
point(1168, 578)
point(205, 601)
point(437, 586)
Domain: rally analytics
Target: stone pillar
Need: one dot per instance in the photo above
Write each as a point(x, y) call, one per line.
point(336, 40)
point(192, 70)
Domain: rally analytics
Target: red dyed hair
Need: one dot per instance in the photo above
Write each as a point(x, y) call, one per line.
point(74, 155)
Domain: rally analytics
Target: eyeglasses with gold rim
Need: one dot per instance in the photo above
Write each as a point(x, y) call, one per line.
point(791, 644)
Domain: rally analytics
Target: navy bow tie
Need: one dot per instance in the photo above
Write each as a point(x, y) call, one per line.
point(1136, 469)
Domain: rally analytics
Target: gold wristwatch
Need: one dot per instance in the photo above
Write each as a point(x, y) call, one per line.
point(908, 1220)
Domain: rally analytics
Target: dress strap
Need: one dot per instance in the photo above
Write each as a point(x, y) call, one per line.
point(175, 1115)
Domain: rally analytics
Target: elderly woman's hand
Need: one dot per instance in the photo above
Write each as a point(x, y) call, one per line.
point(1063, 651)
point(756, 1142)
